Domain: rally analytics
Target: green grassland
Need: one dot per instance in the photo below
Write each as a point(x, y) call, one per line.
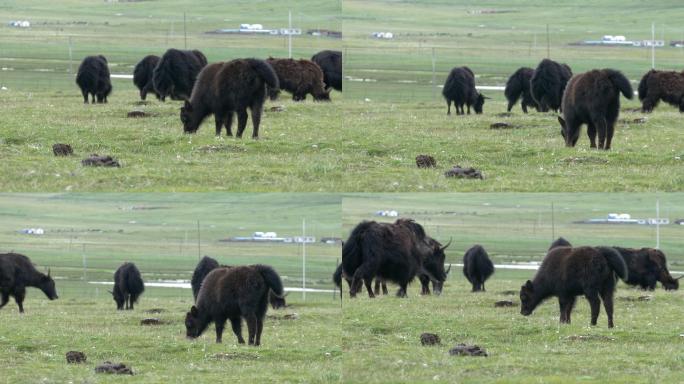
point(381, 337)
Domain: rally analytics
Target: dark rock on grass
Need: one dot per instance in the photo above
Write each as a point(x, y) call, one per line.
point(504, 114)
point(62, 149)
point(289, 316)
point(467, 173)
point(502, 125)
point(585, 159)
point(640, 298)
point(151, 321)
point(589, 338)
point(118, 369)
point(136, 114)
point(277, 108)
point(96, 160)
point(74, 357)
point(154, 310)
point(425, 161)
point(638, 120)
point(429, 339)
point(236, 356)
point(504, 303)
point(510, 292)
point(467, 350)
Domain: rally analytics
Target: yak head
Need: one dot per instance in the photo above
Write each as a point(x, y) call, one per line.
point(276, 301)
point(194, 324)
point(118, 298)
point(186, 118)
point(47, 285)
point(659, 267)
point(433, 265)
point(323, 95)
point(569, 137)
point(479, 103)
point(527, 302)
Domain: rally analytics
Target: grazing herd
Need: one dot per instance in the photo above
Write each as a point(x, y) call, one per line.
point(222, 89)
point(399, 251)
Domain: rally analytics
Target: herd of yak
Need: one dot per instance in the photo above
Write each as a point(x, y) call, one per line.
point(401, 251)
point(591, 98)
point(385, 252)
point(223, 88)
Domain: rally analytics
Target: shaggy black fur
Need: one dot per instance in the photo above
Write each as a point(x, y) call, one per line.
point(560, 242)
point(667, 86)
point(593, 98)
point(647, 266)
point(568, 272)
point(128, 286)
point(548, 83)
point(175, 74)
point(206, 265)
point(93, 79)
point(477, 267)
point(300, 77)
point(331, 65)
point(226, 88)
point(519, 85)
point(232, 294)
point(460, 88)
point(142, 75)
point(16, 273)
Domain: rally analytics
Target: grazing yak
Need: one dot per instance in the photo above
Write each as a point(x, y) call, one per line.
point(432, 263)
point(593, 98)
point(548, 83)
point(331, 65)
point(560, 242)
point(646, 267)
point(392, 251)
point(460, 88)
point(231, 87)
point(477, 267)
point(93, 79)
point(208, 264)
point(128, 286)
point(175, 73)
point(568, 272)
point(667, 86)
point(16, 273)
point(142, 75)
point(517, 86)
point(300, 77)
point(232, 294)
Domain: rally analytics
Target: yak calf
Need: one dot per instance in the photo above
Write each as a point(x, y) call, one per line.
point(16, 273)
point(646, 267)
point(128, 286)
point(232, 294)
point(593, 98)
point(477, 267)
point(568, 272)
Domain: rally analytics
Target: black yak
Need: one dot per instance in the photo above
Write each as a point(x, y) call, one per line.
point(477, 267)
point(434, 260)
point(231, 87)
point(667, 86)
point(548, 83)
point(646, 267)
point(517, 86)
point(232, 294)
point(93, 79)
point(394, 252)
point(568, 272)
point(142, 75)
point(593, 98)
point(300, 77)
point(331, 65)
point(559, 242)
point(175, 73)
point(16, 273)
point(460, 88)
point(128, 286)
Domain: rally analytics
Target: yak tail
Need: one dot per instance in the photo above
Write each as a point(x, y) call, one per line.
point(266, 72)
point(620, 82)
point(643, 86)
point(271, 277)
point(615, 260)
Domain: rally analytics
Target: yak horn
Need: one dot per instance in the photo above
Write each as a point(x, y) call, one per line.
point(679, 277)
point(110, 292)
point(448, 269)
point(447, 245)
point(48, 272)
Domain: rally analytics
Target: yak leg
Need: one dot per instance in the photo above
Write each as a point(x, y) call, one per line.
point(376, 288)
point(229, 123)
point(402, 290)
point(468, 108)
point(424, 285)
point(595, 304)
point(251, 321)
point(524, 107)
point(219, 120)
point(85, 96)
point(483, 287)
point(93, 98)
point(591, 132)
point(236, 323)
point(5, 298)
point(242, 122)
point(566, 304)
point(607, 297)
point(449, 107)
point(367, 283)
point(220, 323)
point(260, 327)
point(384, 288)
point(131, 301)
point(610, 129)
point(365, 273)
point(256, 119)
point(19, 294)
point(601, 128)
